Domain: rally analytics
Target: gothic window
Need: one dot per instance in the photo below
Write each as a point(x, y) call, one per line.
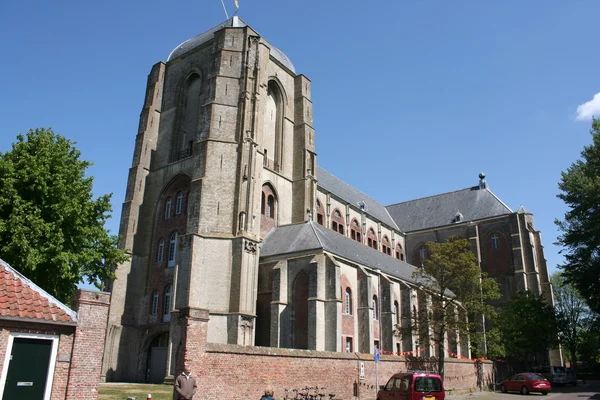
point(268, 206)
point(397, 312)
point(167, 304)
point(273, 127)
point(337, 221)
point(179, 203)
point(348, 302)
point(372, 239)
point(270, 211)
point(355, 231)
point(172, 250)
point(155, 298)
point(262, 203)
point(399, 252)
point(168, 208)
point(320, 213)
point(187, 119)
point(161, 250)
point(385, 246)
point(375, 308)
point(495, 242)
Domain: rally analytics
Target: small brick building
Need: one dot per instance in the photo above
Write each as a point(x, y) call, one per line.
point(47, 350)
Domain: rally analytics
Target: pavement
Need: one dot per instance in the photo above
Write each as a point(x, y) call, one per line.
point(481, 395)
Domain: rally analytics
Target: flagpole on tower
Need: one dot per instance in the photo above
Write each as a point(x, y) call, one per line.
point(224, 9)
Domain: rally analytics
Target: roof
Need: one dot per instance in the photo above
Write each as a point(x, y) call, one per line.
point(21, 298)
point(233, 22)
point(472, 203)
point(354, 197)
point(309, 237)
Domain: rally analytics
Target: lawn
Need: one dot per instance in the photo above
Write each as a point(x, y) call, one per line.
point(120, 391)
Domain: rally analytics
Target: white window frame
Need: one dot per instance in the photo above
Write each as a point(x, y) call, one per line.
point(51, 366)
point(168, 208)
point(348, 344)
point(155, 300)
point(161, 250)
point(397, 311)
point(375, 310)
point(179, 203)
point(348, 302)
point(172, 250)
point(168, 304)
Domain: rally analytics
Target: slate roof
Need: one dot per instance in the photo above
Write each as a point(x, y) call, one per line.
point(21, 298)
point(352, 196)
point(473, 203)
point(310, 237)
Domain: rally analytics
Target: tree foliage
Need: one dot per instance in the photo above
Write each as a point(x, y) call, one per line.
point(572, 315)
point(452, 278)
point(580, 190)
point(51, 229)
point(526, 327)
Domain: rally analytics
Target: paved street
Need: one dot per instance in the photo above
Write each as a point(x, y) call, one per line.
point(590, 390)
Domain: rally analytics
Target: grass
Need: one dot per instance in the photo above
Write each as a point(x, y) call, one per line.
point(111, 391)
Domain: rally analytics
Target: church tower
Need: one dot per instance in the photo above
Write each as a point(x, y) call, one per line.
point(224, 152)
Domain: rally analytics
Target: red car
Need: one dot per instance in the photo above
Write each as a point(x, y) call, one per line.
point(526, 383)
point(413, 386)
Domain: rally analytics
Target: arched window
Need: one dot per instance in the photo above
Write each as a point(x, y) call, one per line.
point(399, 252)
point(495, 242)
point(161, 250)
point(268, 206)
point(155, 298)
point(320, 213)
point(375, 308)
point(168, 303)
point(348, 302)
point(172, 250)
point(179, 204)
point(263, 204)
point(372, 239)
point(337, 221)
point(355, 231)
point(397, 312)
point(273, 127)
point(385, 246)
point(168, 208)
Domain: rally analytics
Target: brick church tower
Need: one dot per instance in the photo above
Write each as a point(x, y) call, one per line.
point(224, 152)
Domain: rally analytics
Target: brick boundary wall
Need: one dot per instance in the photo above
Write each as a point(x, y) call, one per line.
point(88, 344)
point(242, 372)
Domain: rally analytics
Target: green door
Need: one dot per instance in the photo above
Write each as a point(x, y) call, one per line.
point(27, 369)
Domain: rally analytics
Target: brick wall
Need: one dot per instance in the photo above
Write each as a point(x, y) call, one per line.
point(88, 344)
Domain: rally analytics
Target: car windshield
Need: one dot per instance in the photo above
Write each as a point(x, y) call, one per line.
point(428, 384)
point(534, 377)
point(559, 370)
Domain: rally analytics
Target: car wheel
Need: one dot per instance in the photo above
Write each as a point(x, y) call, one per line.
point(524, 390)
point(544, 393)
point(503, 388)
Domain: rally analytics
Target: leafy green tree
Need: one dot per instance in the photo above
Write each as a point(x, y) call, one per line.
point(452, 278)
point(527, 327)
point(580, 190)
point(51, 229)
point(572, 315)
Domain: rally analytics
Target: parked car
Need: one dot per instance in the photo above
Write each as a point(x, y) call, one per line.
point(571, 377)
point(556, 375)
point(413, 386)
point(525, 383)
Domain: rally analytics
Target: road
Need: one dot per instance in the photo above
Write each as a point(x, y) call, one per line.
point(587, 391)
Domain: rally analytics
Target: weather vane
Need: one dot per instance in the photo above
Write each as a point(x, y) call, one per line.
point(237, 6)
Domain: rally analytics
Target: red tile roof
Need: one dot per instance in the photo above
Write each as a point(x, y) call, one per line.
point(21, 298)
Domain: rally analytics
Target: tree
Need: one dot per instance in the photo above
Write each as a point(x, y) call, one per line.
point(580, 190)
point(527, 327)
point(51, 229)
point(457, 287)
point(572, 315)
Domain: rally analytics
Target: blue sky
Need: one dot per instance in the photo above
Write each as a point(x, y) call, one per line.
point(411, 98)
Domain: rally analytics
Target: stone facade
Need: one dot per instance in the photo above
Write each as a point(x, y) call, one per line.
point(233, 227)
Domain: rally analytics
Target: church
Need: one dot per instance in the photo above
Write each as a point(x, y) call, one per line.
point(228, 212)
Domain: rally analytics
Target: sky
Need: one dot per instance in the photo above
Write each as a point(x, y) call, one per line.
point(411, 98)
